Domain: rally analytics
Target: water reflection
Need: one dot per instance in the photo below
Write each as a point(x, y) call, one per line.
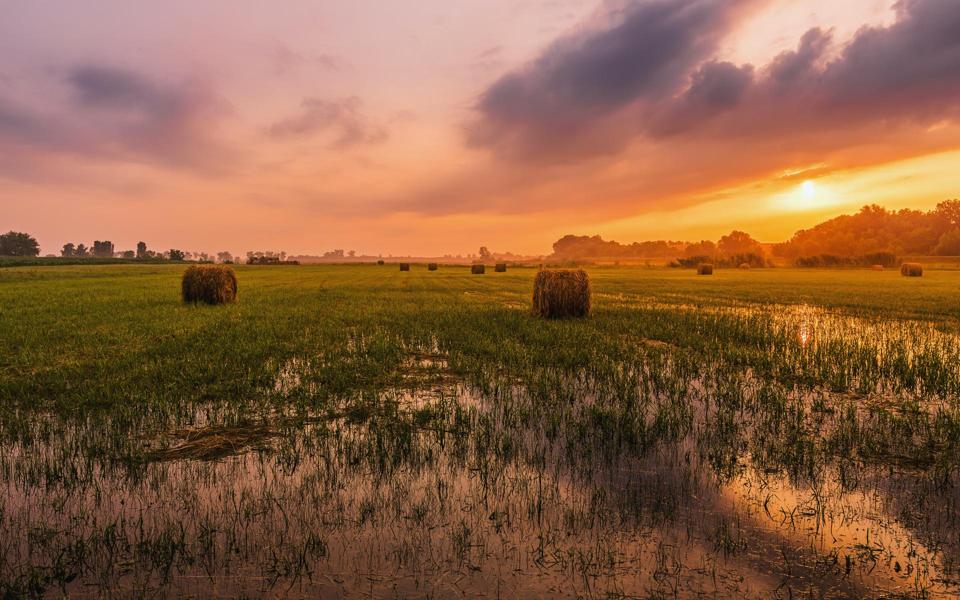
point(452, 491)
point(675, 475)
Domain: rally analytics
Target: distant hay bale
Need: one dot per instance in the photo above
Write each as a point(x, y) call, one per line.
point(911, 270)
point(878, 268)
point(560, 293)
point(745, 266)
point(380, 262)
point(705, 269)
point(210, 284)
point(432, 266)
point(404, 266)
point(500, 268)
point(478, 269)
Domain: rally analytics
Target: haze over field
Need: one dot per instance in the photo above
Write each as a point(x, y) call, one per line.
point(436, 127)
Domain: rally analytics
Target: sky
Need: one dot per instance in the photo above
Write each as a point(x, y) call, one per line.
point(437, 126)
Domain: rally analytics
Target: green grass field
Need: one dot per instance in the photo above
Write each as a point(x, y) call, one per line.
point(355, 429)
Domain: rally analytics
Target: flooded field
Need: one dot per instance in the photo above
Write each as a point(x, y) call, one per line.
point(359, 433)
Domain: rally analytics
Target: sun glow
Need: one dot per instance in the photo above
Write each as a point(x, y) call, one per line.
point(808, 195)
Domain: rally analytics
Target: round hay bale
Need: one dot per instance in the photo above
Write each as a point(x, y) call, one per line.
point(500, 268)
point(911, 270)
point(404, 266)
point(210, 284)
point(878, 268)
point(561, 293)
point(380, 262)
point(478, 269)
point(705, 269)
point(432, 266)
point(745, 266)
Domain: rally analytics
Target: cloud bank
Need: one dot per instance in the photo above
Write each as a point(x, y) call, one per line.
point(115, 114)
point(654, 74)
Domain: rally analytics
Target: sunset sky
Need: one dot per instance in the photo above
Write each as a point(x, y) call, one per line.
point(435, 126)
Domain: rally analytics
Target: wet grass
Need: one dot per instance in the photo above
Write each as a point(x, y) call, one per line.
point(363, 430)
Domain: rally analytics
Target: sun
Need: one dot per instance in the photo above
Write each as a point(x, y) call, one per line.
point(810, 194)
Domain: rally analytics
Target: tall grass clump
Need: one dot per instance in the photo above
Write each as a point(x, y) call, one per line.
point(911, 270)
point(210, 284)
point(478, 269)
point(705, 269)
point(560, 293)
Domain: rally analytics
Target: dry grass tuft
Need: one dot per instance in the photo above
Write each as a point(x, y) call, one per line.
point(705, 269)
point(478, 269)
point(404, 266)
point(432, 266)
point(212, 443)
point(210, 284)
point(560, 293)
point(911, 270)
point(500, 268)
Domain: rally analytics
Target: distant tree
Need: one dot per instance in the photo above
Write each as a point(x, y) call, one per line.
point(738, 242)
point(224, 257)
point(949, 243)
point(82, 251)
point(68, 251)
point(16, 243)
point(872, 229)
point(704, 248)
point(103, 249)
point(129, 254)
point(141, 249)
point(175, 254)
point(283, 255)
point(352, 253)
point(949, 210)
point(485, 253)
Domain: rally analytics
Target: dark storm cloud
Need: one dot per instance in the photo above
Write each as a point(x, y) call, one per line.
point(911, 66)
point(344, 118)
point(907, 74)
point(111, 114)
point(653, 76)
point(789, 67)
point(589, 76)
point(101, 87)
point(170, 123)
point(17, 124)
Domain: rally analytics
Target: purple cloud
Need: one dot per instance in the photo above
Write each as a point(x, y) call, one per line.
point(344, 118)
point(654, 75)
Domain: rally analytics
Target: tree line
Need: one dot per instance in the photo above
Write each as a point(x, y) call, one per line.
point(873, 235)
point(16, 243)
